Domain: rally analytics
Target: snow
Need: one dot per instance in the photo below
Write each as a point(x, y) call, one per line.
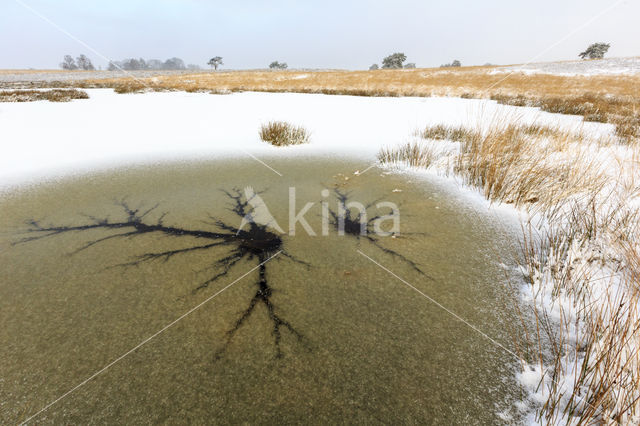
point(609, 66)
point(43, 140)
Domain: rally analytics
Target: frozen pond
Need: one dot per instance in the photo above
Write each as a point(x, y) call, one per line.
point(319, 333)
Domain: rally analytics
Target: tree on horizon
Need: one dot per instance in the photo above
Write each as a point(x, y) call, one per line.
point(394, 61)
point(84, 63)
point(595, 51)
point(275, 65)
point(215, 62)
point(68, 63)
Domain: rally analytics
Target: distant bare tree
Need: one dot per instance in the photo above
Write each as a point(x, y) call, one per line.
point(132, 64)
point(215, 62)
point(174, 64)
point(374, 67)
point(68, 63)
point(394, 60)
point(154, 64)
point(595, 51)
point(84, 63)
point(193, 67)
point(275, 65)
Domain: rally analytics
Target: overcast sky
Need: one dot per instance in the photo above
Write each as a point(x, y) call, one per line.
point(312, 34)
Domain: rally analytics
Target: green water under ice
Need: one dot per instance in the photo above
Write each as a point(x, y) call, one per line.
point(369, 349)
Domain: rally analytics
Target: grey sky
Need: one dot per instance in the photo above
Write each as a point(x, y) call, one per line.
point(314, 34)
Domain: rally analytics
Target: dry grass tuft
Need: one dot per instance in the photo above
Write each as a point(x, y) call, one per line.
point(130, 88)
point(412, 154)
point(508, 163)
point(55, 95)
point(442, 132)
point(281, 133)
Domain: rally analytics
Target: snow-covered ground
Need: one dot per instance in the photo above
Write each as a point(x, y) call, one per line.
point(10, 78)
point(43, 139)
point(613, 66)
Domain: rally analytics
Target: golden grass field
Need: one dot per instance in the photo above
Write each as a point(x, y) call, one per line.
point(474, 81)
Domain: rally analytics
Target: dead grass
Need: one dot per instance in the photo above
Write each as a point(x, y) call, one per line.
point(442, 132)
point(55, 95)
point(467, 81)
point(603, 363)
point(281, 133)
point(508, 163)
point(620, 111)
point(413, 154)
point(586, 258)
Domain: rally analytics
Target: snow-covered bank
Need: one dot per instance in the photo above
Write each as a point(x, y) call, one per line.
point(580, 255)
point(44, 140)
